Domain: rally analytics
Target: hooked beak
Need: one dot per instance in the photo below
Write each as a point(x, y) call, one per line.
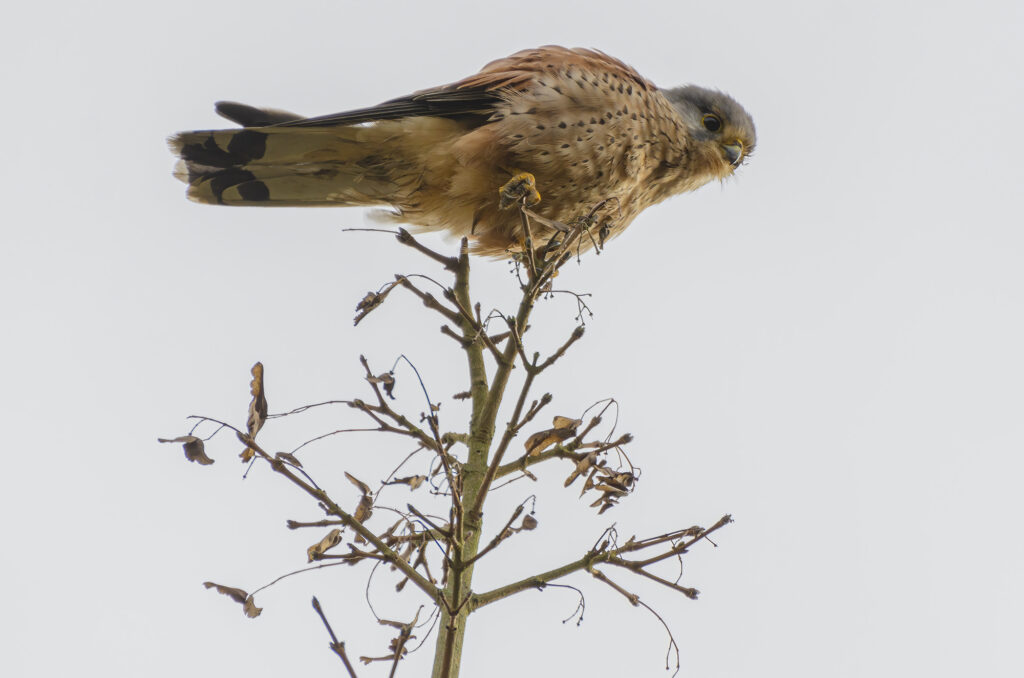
point(734, 151)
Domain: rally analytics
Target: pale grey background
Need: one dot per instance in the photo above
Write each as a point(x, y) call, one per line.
point(828, 346)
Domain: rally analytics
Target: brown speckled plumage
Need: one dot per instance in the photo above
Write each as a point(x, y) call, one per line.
point(588, 127)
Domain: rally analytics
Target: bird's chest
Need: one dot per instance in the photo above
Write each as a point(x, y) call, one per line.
point(585, 144)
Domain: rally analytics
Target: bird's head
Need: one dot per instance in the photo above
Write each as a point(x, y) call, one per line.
point(721, 130)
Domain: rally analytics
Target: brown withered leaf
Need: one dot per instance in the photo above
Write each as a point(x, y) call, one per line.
point(363, 487)
point(610, 481)
point(412, 481)
point(257, 409)
point(566, 423)
point(529, 522)
point(589, 483)
point(290, 458)
point(564, 428)
point(195, 449)
point(318, 549)
point(371, 301)
point(462, 395)
point(258, 405)
point(582, 466)
point(410, 546)
point(239, 596)
point(609, 489)
point(365, 507)
point(387, 380)
point(250, 609)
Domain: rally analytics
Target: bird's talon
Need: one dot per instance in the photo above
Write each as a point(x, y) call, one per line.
point(520, 188)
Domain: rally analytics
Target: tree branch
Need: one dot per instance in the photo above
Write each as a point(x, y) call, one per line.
point(338, 648)
point(349, 521)
point(587, 562)
point(406, 238)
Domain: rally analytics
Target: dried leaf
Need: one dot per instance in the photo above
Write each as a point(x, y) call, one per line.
point(250, 609)
point(239, 596)
point(582, 466)
point(194, 448)
point(564, 428)
point(258, 405)
point(317, 550)
point(567, 423)
point(363, 487)
point(371, 301)
point(387, 379)
point(529, 522)
point(621, 481)
point(290, 458)
point(365, 507)
point(610, 489)
point(363, 511)
point(540, 441)
point(462, 395)
point(589, 483)
point(412, 481)
point(406, 552)
point(257, 409)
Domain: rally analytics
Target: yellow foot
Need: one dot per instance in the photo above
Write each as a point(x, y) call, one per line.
point(521, 188)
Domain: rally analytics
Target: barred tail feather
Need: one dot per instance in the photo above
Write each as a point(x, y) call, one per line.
point(274, 166)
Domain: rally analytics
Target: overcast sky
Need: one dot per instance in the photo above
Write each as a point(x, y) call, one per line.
point(828, 346)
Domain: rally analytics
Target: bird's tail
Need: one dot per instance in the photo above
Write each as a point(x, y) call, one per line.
point(290, 166)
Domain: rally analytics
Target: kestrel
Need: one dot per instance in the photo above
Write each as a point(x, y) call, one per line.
point(576, 125)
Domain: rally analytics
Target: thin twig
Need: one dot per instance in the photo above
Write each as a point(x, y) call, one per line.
point(406, 238)
point(337, 647)
point(502, 535)
point(577, 334)
point(429, 300)
point(421, 582)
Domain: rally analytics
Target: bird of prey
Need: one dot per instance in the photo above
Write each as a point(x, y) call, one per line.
point(566, 129)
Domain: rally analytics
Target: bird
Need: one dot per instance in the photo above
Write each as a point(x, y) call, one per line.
point(567, 132)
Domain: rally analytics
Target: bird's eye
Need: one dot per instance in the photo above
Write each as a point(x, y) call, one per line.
point(712, 122)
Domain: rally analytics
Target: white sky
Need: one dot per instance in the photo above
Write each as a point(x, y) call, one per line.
point(829, 347)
